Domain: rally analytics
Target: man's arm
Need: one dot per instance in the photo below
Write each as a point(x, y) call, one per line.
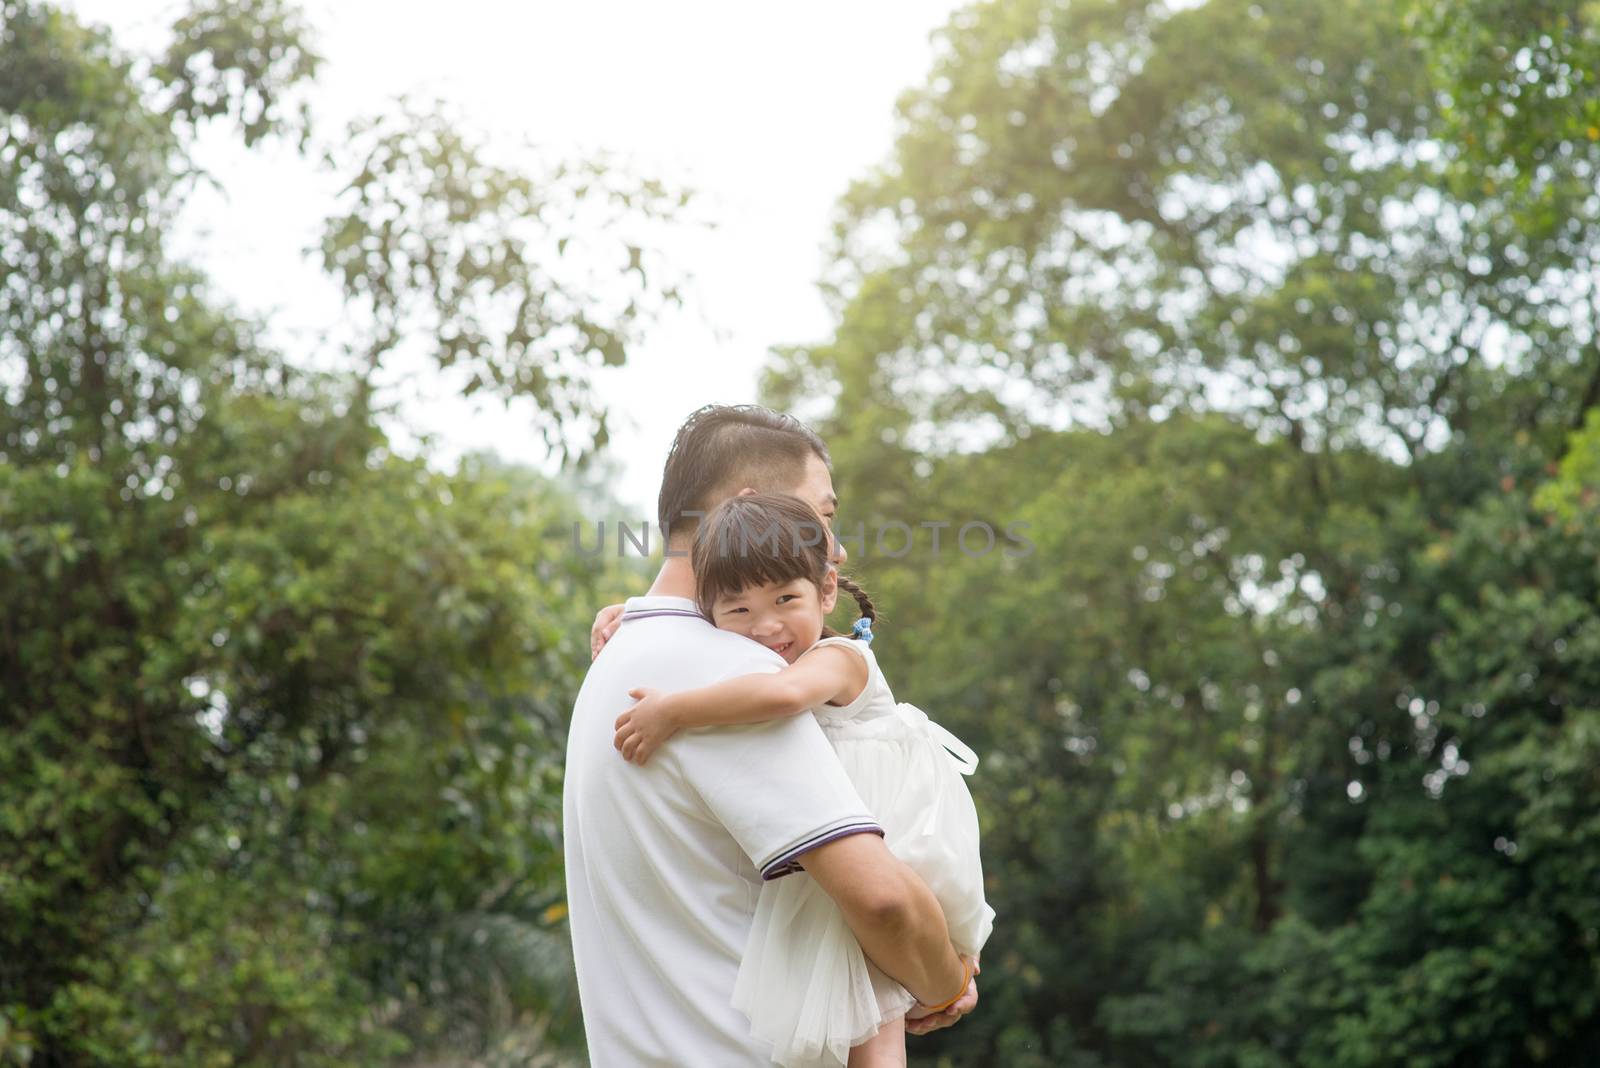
point(892, 912)
point(778, 787)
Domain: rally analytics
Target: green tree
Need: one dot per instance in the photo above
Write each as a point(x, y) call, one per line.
point(280, 711)
point(1220, 299)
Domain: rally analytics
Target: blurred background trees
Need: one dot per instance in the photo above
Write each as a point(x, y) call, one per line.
point(282, 711)
point(1276, 325)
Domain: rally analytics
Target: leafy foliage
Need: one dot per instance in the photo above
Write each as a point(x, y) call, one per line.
point(434, 239)
point(1286, 721)
point(280, 711)
point(1268, 329)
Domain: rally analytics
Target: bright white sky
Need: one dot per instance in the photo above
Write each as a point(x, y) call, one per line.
point(769, 109)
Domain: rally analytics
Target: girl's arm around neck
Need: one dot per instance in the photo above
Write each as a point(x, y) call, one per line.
point(825, 674)
point(828, 674)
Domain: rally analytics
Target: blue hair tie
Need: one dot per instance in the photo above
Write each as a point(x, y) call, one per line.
point(862, 630)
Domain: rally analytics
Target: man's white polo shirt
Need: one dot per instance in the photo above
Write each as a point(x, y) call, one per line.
point(664, 862)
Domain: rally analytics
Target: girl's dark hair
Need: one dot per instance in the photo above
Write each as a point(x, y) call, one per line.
point(851, 587)
point(762, 538)
point(722, 448)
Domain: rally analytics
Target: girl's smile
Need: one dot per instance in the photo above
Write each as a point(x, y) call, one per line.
point(786, 617)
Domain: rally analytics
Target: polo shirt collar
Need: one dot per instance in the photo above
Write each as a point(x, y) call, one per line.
point(659, 606)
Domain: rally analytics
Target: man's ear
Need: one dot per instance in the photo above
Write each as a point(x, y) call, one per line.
point(830, 590)
point(748, 491)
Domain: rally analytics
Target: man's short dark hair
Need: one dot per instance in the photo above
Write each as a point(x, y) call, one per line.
point(722, 448)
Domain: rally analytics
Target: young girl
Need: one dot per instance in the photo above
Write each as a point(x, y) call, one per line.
point(803, 981)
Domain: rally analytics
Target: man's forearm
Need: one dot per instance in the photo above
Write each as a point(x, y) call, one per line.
point(912, 946)
point(892, 913)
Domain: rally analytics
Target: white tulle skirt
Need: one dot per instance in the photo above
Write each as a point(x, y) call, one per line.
point(804, 982)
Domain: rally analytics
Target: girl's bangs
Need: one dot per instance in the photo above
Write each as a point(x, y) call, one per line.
point(756, 540)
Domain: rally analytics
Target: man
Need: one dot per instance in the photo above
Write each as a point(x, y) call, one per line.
point(664, 863)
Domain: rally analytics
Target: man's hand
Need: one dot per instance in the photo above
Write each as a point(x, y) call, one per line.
point(642, 728)
point(920, 1021)
point(605, 625)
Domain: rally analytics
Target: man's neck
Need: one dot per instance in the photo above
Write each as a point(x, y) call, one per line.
point(675, 579)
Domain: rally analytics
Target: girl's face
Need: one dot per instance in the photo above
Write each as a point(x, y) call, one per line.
point(786, 617)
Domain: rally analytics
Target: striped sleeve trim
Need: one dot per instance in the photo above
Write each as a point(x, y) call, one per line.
point(788, 863)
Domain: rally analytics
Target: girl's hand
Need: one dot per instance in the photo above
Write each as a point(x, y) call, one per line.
point(642, 728)
point(606, 623)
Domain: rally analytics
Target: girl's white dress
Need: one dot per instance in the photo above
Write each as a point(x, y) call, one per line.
point(804, 982)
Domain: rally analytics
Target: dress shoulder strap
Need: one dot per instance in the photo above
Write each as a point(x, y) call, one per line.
point(877, 687)
point(859, 647)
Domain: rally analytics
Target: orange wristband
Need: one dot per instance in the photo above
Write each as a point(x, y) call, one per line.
point(966, 980)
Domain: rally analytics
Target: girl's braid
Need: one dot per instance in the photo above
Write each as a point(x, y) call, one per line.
point(850, 587)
